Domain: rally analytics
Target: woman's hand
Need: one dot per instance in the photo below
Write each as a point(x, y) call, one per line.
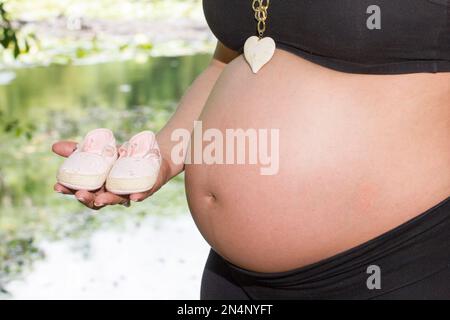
point(101, 198)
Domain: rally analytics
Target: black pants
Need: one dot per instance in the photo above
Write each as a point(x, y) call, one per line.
point(411, 261)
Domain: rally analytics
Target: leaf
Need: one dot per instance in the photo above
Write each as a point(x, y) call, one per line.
point(11, 125)
point(27, 47)
point(81, 53)
point(5, 39)
point(2, 10)
point(16, 49)
point(145, 46)
point(19, 131)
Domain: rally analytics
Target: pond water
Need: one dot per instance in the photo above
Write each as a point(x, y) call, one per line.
point(41, 232)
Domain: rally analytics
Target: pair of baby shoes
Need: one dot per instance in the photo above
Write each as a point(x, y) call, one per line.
point(132, 168)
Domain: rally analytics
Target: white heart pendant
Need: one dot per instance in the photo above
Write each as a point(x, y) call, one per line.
point(258, 51)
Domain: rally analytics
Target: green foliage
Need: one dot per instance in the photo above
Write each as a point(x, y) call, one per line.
point(9, 38)
point(16, 254)
point(8, 35)
point(63, 46)
point(86, 30)
point(15, 127)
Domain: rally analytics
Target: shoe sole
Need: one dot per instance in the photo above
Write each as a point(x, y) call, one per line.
point(123, 186)
point(81, 182)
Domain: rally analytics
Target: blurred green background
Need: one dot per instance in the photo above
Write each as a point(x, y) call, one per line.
point(81, 65)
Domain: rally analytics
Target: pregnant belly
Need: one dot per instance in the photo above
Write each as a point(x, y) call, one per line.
point(357, 156)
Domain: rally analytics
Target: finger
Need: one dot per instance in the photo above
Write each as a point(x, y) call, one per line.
point(108, 198)
point(64, 148)
point(140, 196)
point(94, 207)
point(86, 198)
point(62, 189)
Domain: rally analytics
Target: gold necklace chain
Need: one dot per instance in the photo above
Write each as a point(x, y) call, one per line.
point(260, 7)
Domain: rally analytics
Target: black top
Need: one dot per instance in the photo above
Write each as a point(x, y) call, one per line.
point(414, 35)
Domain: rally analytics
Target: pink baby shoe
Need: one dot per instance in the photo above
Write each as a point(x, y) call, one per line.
point(88, 166)
point(138, 165)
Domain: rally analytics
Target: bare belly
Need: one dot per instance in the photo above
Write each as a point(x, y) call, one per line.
point(358, 156)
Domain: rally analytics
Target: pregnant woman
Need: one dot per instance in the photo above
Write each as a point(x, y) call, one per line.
point(360, 206)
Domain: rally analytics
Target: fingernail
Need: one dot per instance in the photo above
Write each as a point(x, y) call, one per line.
point(98, 204)
point(80, 198)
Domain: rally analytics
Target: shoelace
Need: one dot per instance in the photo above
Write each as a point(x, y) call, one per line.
point(128, 150)
point(108, 150)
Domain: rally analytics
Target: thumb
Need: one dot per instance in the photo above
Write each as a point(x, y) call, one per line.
point(64, 148)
